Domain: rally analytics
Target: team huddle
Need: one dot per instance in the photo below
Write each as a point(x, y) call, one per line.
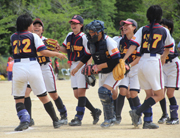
point(146, 57)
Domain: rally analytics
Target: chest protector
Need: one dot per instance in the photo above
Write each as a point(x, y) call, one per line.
point(99, 51)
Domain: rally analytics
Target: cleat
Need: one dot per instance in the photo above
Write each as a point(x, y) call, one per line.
point(22, 126)
point(63, 120)
point(172, 121)
point(163, 119)
point(56, 124)
point(134, 117)
point(96, 116)
point(31, 123)
point(108, 123)
point(75, 122)
point(150, 125)
point(118, 120)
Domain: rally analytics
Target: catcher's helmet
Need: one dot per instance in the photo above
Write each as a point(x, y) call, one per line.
point(96, 26)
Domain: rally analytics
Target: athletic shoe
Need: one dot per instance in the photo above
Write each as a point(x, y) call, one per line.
point(22, 126)
point(163, 119)
point(96, 116)
point(107, 123)
point(75, 122)
point(31, 122)
point(63, 120)
point(57, 124)
point(134, 117)
point(118, 120)
point(150, 125)
point(172, 121)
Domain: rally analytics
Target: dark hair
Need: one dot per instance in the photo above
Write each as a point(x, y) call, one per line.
point(154, 13)
point(168, 23)
point(23, 22)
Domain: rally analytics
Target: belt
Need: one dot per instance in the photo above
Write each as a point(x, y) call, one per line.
point(28, 59)
point(151, 55)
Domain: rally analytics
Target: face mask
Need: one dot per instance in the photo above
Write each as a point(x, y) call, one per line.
point(93, 39)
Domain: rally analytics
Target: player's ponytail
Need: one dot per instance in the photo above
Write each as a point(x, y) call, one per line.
point(154, 14)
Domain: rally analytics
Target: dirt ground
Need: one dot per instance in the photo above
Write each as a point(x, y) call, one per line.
point(43, 125)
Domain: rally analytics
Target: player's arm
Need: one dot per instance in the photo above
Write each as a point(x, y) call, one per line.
point(129, 52)
point(80, 64)
point(48, 53)
point(164, 55)
point(169, 42)
point(135, 62)
point(89, 62)
point(61, 48)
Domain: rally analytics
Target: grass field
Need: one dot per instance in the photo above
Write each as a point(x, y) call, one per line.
point(43, 125)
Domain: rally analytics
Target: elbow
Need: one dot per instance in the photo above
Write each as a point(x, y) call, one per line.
point(43, 52)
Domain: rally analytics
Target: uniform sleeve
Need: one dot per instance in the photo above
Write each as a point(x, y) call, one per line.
point(112, 48)
point(65, 41)
point(86, 49)
point(117, 39)
point(137, 38)
point(38, 43)
point(169, 41)
point(172, 49)
point(138, 51)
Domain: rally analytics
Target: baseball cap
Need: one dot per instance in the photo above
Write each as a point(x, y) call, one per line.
point(129, 21)
point(37, 20)
point(10, 58)
point(77, 19)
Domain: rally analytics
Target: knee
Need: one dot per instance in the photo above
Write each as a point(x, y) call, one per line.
point(114, 94)
point(54, 96)
point(105, 95)
point(134, 94)
point(170, 94)
point(123, 91)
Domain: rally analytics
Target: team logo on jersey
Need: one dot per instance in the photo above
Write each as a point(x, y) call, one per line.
point(68, 45)
point(133, 37)
point(97, 56)
point(115, 50)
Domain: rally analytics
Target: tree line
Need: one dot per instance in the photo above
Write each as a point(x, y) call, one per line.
point(55, 15)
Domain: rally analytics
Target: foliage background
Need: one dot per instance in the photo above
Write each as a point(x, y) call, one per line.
point(55, 15)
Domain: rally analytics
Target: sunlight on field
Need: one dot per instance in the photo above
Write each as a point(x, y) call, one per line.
point(43, 125)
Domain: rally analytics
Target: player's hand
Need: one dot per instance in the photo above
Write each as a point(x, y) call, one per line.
point(61, 56)
point(73, 72)
point(163, 60)
point(96, 69)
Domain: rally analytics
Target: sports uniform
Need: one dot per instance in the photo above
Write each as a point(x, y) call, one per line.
point(78, 41)
point(49, 79)
point(171, 79)
point(153, 39)
point(130, 81)
point(103, 51)
point(74, 45)
point(26, 69)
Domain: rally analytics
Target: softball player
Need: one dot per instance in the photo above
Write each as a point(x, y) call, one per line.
point(74, 46)
point(27, 69)
point(131, 79)
point(155, 42)
point(171, 78)
point(106, 56)
point(48, 76)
